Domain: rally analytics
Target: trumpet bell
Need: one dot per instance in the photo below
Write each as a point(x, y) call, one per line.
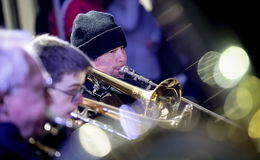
point(165, 100)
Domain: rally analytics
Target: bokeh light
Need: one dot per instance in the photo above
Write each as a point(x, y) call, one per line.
point(209, 72)
point(252, 84)
point(221, 80)
point(238, 103)
point(94, 140)
point(243, 101)
point(254, 126)
point(206, 67)
point(223, 69)
point(233, 63)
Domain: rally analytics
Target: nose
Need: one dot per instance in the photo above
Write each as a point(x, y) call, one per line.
point(78, 100)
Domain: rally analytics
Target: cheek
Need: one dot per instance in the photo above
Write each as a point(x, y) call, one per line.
point(37, 108)
point(16, 112)
point(37, 113)
point(108, 60)
point(61, 106)
point(22, 105)
point(27, 109)
point(29, 112)
point(59, 98)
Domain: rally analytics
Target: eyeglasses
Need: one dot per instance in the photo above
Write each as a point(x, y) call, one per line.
point(75, 96)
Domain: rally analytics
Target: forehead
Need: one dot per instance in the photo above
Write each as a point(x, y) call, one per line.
point(71, 79)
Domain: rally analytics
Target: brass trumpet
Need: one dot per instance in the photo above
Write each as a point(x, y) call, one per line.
point(160, 103)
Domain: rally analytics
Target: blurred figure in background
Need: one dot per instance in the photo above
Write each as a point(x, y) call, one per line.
point(46, 21)
point(23, 97)
point(42, 20)
point(71, 8)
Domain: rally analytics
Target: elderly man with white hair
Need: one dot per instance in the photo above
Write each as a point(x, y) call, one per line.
point(23, 96)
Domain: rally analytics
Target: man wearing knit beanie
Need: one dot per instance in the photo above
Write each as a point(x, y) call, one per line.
point(98, 36)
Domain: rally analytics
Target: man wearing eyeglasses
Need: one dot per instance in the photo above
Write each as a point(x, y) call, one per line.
point(67, 67)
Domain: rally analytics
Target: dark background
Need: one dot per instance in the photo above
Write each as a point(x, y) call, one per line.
point(241, 16)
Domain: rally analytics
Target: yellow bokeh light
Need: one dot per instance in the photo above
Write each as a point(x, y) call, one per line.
point(254, 126)
point(233, 63)
point(238, 103)
point(94, 140)
point(252, 84)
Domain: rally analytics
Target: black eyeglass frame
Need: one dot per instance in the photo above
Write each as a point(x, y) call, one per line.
point(74, 96)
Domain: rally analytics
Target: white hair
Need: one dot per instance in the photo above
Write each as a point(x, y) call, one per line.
point(13, 65)
point(13, 68)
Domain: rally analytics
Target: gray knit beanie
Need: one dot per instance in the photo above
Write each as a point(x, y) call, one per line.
point(96, 33)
